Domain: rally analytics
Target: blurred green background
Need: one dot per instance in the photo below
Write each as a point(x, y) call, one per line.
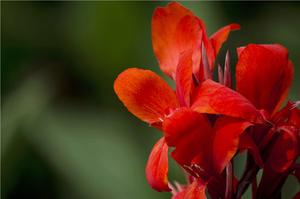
point(64, 133)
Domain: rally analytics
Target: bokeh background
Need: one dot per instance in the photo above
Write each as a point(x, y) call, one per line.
point(64, 133)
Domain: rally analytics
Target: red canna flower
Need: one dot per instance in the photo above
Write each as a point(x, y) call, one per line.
point(177, 39)
point(207, 123)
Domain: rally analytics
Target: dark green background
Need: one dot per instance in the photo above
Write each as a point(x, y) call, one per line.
point(64, 133)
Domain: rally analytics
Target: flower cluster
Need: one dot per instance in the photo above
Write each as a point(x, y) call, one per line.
point(206, 123)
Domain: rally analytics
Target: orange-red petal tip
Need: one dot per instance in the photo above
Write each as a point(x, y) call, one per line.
point(145, 94)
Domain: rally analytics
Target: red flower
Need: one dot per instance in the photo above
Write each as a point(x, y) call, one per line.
point(255, 64)
point(177, 39)
point(263, 75)
point(207, 122)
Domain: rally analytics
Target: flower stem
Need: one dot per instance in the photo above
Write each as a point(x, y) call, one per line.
point(247, 178)
point(229, 181)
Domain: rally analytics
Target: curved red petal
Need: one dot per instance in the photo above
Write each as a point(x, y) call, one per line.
point(189, 37)
point(226, 140)
point(157, 167)
point(184, 78)
point(210, 52)
point(174, 29)
point(239, 50)
point(145, 94)
point(258, 63)
point(191, 135)
point(215, 98)
point(285, 149)
point(289, 114)
point(219, 37)
point(294, 118)
point(247, 143)
point(281, 116)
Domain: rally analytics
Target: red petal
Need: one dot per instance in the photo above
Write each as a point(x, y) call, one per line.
point(210, 52)
point(247, 143)
point(189, 37)
point(226, 140)
point(197, 143)
point(184, 78)
point(219, 37)
point(157, 167)
point(174, 29)
point(294, 118)
point(284, 150)
point(239, 50)
point(289, 114)
point(145, 94)
point(191, 135)
point(215, 98)
point(196, 190)
point(281, 116)
point(258, 63)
